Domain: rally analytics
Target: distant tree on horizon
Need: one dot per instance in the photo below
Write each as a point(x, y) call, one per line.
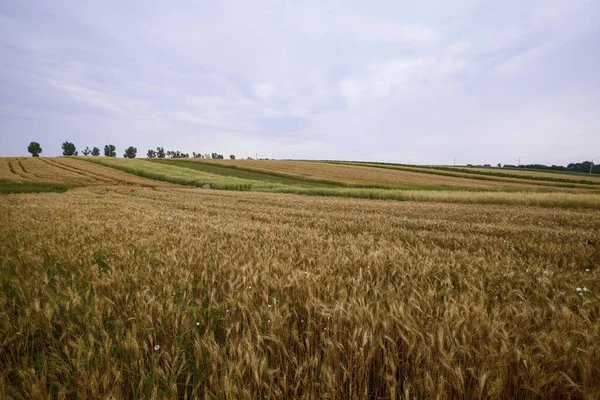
point(35, 149)
point(216, 156)
point(160, 152)
point(95, 151)
point(86, 151)
point(232, 157)
point(69, 149)
point(110, 150)
point(177, 154)
point(151, 154)
point(130, 152)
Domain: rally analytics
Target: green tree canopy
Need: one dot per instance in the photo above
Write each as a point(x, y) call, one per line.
point(69, 149)
point(35, 149)
point(130, 152)
point(110, 150)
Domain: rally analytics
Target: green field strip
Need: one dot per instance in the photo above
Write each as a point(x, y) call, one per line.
point(12, 187)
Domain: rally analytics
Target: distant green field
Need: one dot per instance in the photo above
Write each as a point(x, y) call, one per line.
point(243, 173)
point(182, 175)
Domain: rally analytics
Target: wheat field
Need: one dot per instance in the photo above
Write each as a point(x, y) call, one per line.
point(364, 175)
point(67, 171)
point(131, 292)
point(538, 174)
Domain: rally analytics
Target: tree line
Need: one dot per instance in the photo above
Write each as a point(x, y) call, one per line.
point(69, 149)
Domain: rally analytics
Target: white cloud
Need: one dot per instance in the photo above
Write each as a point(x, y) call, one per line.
point(89, 96)
point(263, 90)
point(310, 79)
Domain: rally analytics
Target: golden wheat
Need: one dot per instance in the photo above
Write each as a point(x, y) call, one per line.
point(364, 175)
point(67, 171)
point(522, 177)
point(138, 293)
point(541, 174)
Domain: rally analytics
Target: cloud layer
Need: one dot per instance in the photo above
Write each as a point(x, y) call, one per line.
point(423, 82)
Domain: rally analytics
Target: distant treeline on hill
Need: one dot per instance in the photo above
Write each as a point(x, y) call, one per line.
point(573, 167)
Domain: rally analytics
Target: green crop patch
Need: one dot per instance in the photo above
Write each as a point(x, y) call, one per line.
point(11, 187)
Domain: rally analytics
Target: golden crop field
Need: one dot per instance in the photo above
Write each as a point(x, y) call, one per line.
point(153, 290)
point(68, 171)
point(490, 174)
point(365, 175)
point(131, 292)
point(542, 174)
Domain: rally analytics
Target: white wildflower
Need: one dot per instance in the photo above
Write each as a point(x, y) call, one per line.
point(157, 347)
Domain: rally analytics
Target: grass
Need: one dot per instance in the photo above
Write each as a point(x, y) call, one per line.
point(12, 187)
point(127, 292)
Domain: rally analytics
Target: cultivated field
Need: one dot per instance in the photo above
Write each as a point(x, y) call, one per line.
point(360, 175)
point(68, 171)
point(179, 172)
point(123, 291)
point(533, 180)
point(577, 177)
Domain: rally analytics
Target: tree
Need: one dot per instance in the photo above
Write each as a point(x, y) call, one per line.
point(216, 156)
point(177, 154)
point(69, 149)
point(232, 157)
point(110, 150)
point(86, 151)
point(151, 154)
point(95, 151)
point(160, 152)
point(35, 149)
point(130, 152)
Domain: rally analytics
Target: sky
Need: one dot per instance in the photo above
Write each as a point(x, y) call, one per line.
point(426, 82)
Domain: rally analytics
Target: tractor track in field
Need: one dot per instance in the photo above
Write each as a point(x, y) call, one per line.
point(83, 173)
point(15, 170)
point(27, 172)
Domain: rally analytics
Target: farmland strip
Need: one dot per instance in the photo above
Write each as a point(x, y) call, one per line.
point(17, 169)
point(78, 172)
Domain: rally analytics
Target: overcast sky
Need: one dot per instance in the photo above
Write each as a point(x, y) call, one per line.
point(425, 82)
